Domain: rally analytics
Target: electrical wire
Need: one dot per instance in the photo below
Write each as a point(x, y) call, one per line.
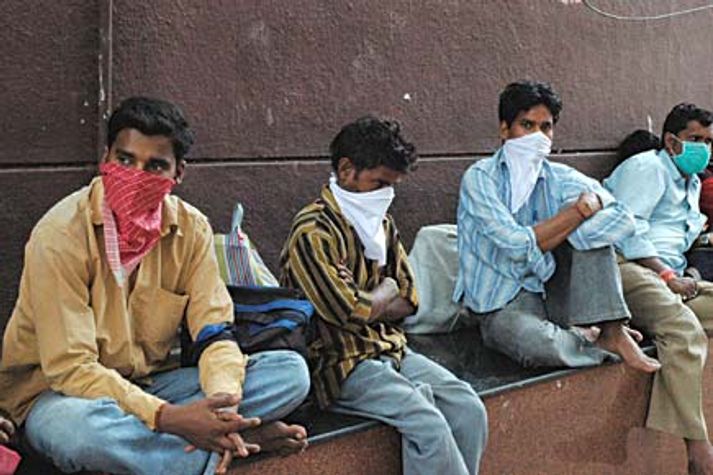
point(599, 11)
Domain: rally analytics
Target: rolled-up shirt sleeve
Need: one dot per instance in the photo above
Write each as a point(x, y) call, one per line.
point(613, 223)
point(222, 364)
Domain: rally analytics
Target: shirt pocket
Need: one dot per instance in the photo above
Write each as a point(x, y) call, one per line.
point(157, 318)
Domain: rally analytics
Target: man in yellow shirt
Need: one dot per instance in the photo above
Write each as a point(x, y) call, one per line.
point(111, 272)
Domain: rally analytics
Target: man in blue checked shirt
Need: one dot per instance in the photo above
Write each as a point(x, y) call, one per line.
point(662, 190)
point(519, 217)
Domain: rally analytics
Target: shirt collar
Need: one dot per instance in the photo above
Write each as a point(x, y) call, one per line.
point(169, 213)
point(331, 202)
point(670, 166)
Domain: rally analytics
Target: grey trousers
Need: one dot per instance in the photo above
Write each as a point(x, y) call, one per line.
point(535, 330)
point(441, 419)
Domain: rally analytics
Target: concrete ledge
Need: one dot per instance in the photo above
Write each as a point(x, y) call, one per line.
point(587, 422)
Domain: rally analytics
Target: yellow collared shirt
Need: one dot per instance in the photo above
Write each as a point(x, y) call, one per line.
point(76, 331)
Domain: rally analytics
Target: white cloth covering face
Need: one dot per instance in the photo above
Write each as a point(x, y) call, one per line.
point(524, 156)
point(365, 212)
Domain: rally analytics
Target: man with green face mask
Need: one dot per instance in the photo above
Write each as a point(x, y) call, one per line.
point(662, 190)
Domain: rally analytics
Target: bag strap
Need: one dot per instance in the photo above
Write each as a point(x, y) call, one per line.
point(301, 306)
point(237, 219)
point(250, 295)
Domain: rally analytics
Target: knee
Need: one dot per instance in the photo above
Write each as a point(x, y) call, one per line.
point(472, 409)
point(684, 334)
point(299, 380)
point(480, 413)
point(293, 373)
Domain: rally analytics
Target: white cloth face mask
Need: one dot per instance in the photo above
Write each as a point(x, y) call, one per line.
point(524, 157)
point(365, 212)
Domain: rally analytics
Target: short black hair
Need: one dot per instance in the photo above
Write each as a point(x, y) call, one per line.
point(152, 117)
point(681, 115)
point(636, 142)
point(523, 96)
point(370, 142)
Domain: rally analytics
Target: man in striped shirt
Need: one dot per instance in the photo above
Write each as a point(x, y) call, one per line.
point(344, 252)
point(516, 209)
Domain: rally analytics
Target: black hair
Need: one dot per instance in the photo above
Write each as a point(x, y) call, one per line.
point(681, 115)
point(370, 142)
point(636, 142)
point(524, 95)
point(152, 117)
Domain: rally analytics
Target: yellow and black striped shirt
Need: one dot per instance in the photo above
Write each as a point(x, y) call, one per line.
point(321, 238)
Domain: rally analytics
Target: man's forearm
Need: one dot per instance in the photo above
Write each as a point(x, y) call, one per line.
point(554, 231)
point(653, 263)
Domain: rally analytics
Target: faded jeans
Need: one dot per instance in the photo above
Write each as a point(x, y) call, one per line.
point(442, 421)
point(533, 330)
point(97, 435)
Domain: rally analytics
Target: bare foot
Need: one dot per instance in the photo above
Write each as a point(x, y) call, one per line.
point(277, 437)
point(621, 340)
point(635, 334)
point(700, 457)
point(591, 334)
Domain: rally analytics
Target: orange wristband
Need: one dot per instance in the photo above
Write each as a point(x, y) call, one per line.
point(157, 416)
point(667, 275)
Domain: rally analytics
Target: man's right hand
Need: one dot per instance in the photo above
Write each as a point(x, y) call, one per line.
point(382, 296)
point(588, 204)
point(683, 286)
point(7, 429)
point(201, 424)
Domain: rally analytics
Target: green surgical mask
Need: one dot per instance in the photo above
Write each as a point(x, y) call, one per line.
point(694, 157)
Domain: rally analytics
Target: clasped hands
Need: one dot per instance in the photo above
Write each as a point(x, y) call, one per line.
point(211, 424)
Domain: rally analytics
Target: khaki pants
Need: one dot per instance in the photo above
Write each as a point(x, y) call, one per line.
point(678, 329)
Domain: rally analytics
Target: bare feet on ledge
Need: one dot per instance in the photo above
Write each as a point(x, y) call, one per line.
point(623, 341)
point(700, 457)
point(277, 437)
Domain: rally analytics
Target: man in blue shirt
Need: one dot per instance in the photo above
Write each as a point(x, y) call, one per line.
point(662, 190)
point(515, 209)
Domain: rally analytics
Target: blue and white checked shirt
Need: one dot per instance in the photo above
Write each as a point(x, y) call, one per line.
point(665, 206)
point(498, 251)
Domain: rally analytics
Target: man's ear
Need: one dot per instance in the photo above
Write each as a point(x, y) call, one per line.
point(180, 171)
point(345, 170)
point(504, 131)
point(671, 144)
point(105, 155)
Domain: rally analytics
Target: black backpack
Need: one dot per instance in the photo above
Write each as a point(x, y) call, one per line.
point(266, 318)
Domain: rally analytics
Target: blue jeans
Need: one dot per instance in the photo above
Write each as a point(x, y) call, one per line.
point(442, 421)
point(97, 435)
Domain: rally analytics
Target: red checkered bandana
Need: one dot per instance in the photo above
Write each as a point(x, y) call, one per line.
point(133, 200)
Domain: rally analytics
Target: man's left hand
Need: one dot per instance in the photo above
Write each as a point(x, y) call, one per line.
point(588, 204)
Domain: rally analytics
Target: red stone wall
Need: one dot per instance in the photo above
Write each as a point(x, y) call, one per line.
point(267, 83)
